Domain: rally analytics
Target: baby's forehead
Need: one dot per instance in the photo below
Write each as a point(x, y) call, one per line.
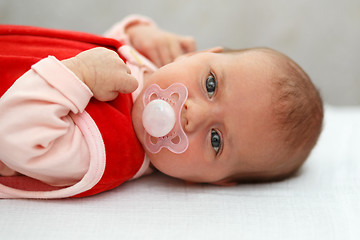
point(251, 66)
point(260, 55)
point(249, 105)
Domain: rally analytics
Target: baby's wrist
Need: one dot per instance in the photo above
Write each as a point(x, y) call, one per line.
point(76, 65)
point(73, 66)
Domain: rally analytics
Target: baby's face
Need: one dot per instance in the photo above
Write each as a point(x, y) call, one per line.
point(227, 116)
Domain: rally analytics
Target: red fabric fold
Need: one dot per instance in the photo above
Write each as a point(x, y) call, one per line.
point(23, 46)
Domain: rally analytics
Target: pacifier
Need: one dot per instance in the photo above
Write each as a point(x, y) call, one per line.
point(162, 118)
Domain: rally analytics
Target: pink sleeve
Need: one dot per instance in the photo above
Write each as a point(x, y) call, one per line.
point(38, 137)
point(118, 31)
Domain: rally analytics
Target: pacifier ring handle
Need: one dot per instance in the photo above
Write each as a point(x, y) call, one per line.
point(158, 126)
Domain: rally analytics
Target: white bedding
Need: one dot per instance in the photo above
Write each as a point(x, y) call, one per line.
point(321, 202)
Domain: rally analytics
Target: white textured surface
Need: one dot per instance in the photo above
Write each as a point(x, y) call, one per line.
point(322, 35)
point(321, 202)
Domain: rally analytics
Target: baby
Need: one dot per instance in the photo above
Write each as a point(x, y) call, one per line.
point(250, 115)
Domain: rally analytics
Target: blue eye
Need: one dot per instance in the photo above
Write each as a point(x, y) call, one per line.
point(211, 85)
point(216, 141)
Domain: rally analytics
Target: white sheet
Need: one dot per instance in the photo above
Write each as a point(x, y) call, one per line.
point(321, 202)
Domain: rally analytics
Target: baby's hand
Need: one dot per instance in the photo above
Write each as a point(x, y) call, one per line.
point(103, 71)
point(159, 46)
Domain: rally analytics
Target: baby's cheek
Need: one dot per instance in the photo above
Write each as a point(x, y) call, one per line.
point(165, 163)
point(136, 114)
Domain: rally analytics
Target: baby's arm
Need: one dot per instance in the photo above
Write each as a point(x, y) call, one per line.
point(160, 46)
point(38, 137)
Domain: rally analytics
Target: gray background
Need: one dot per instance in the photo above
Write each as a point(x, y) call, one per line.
point(322, 35)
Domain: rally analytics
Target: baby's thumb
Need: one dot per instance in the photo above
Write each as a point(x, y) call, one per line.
point(128, 84)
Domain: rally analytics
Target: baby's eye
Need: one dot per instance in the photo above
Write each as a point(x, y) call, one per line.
point(216, 141)
point(211, 85)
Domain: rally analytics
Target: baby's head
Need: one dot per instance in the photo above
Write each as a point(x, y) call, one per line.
point(251, 115)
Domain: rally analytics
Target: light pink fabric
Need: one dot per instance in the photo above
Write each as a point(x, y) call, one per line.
point(58, 143)
point(118, 31)
point(48, 146)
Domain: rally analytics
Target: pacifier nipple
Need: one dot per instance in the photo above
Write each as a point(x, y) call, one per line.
point(162, 118)
point(158, 118)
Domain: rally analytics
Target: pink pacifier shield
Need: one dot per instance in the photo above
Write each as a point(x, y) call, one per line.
point(161, 129)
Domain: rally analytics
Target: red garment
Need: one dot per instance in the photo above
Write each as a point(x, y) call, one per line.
point(21, 47)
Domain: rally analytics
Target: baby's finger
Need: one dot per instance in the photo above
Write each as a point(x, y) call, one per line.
point(165, 55)
point(153, 55)
point(188, 44)
point(175, 50)
point(110, 96)
point(126, 84)
point(128, 71)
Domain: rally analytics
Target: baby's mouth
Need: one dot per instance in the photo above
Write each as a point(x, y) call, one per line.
point(163, 118)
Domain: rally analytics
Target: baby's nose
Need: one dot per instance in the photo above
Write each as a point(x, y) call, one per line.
point(193, 116)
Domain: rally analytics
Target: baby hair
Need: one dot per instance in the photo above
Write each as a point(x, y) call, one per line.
point(297, 110)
